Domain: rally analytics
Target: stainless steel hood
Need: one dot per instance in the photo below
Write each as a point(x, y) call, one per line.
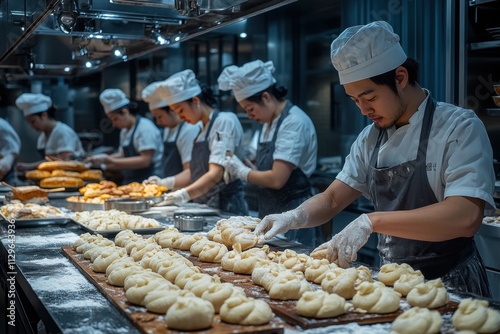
point(47, 38)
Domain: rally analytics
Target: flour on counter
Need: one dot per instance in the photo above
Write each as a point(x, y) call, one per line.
point(81, 303)
point(50, 262)
point(352, 328)
point(38, 240)
point(69, 281)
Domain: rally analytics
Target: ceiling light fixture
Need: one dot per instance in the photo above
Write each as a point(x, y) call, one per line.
point(119, 51)
point(159, 39)
point(68, 14)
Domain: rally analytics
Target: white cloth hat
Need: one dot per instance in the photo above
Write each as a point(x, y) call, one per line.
point(33, 103)
point(248, 80)
point(151, 95)
point(179, 87)
point(113, 99)
point(362, 52)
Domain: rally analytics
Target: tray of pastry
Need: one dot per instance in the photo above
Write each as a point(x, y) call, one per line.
point(149, 322)
point(32, 215)
point(109, 223)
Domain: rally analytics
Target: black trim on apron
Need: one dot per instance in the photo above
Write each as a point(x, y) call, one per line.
point(226, 197)
point(405, 187)
point(135, 175)
point(171, 163)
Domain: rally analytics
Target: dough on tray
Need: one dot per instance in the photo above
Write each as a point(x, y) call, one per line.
point(417, 321)
point(243, 310)
point(408, 281)
point(135, 294)
point(212, 252)
point(199, 283)
point(431, 294)
point(106, 257)
point(476, 315)
point(217, 293)
point(320, 304)
point(160, 300)
point(289, 285)
point(376, 298)
point(316, 269)
point(118, 275)
point(390, 272)
point(189, 314)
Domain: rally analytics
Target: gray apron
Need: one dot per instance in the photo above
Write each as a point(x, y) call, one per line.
point(135, 175)
point(295, 191)
point(406, 187)
point(171, 163)
point(226, 197)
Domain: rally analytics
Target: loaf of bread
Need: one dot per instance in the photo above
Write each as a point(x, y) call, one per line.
point(37, 174)
point(61, 181)
point(64, 165)
point(91, 175)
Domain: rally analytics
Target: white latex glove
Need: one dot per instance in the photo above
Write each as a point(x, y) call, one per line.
point(176, 197)
point(278, 223)
point(236, 168)
point(168, 182)
point(344, 246)
point(98, 159)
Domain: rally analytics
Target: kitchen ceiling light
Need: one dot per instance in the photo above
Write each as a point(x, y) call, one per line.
point(119, 51)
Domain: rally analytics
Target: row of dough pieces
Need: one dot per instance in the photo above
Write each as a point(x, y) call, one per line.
point(102, 220)
point(167, 283)
point(338, 284)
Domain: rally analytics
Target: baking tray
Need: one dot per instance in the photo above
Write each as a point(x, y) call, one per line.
point(35, 222)
point(113, 233)
point(148, 322)
point(82, 206)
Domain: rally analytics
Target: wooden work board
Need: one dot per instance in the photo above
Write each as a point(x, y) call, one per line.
point(149, 322)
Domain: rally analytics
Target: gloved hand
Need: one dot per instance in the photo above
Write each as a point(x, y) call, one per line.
point(176, 197)
point(278, 223)
point(344, 246)
point(98, 159)
point(236, 168)
point(168, 182)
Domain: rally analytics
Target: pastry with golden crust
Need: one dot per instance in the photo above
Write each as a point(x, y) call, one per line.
point(37, 174)
point(76, 166)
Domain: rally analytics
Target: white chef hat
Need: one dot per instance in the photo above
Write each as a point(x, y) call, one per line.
point(33, 103)
point(362, 52)
point(113, 99)
point(179, 87)
point(248, 80)
point(151, 95)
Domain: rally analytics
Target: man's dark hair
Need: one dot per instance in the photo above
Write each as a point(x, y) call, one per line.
point(389, 78)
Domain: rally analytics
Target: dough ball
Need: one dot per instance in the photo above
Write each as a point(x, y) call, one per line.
point(135, 294)
point(230, 258)
point(119, 263)
point(390, 272)
point(187, 241)
point(321, 304)
point(171, 268)
point(196, 248)
point(185, 275)
point(476, 315)
point(217, 293)
point(406, 282)
point(293, 261)
point(243, 310)
point(418, 321)
point(248, 260)
point(119, 274)
point(189, 314)
point(199, 283)
point(160, 300)
point(106, 257)
point(123, 236)
point(431, 294)
point(140, 278)
point(142, 248)
point(340, 281)
point(212, 252)
point(376, 298)
point(288, 286)
point(316, 269)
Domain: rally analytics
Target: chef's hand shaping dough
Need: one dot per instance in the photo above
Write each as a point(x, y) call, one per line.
point(278, 223)
point(176, 197)
point(236, 168)
point(344, 246)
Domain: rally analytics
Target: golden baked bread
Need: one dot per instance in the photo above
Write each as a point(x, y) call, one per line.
point(37, 174)
point(62, 172)
point(61, 181)
point(91, 175)
point(64, 165)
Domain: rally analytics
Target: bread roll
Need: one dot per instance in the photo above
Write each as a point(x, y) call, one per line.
point(61, 181)
point(37, 174)
point(64, 165)
point(91, 175)
point(68, 173)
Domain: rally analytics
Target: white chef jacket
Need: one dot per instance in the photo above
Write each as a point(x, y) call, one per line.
point(61, 139)
point(185, 140)
point(9, 140)
point(459, 155)
point(229, 128)
point(147, 137)
point(296, 142)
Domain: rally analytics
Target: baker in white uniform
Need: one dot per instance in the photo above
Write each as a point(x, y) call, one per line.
point(287, 146)
point(10, 146)
point(141, 149)
point(178, 139)
point(221, 132)
point(426, 165)
point(56, 139)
